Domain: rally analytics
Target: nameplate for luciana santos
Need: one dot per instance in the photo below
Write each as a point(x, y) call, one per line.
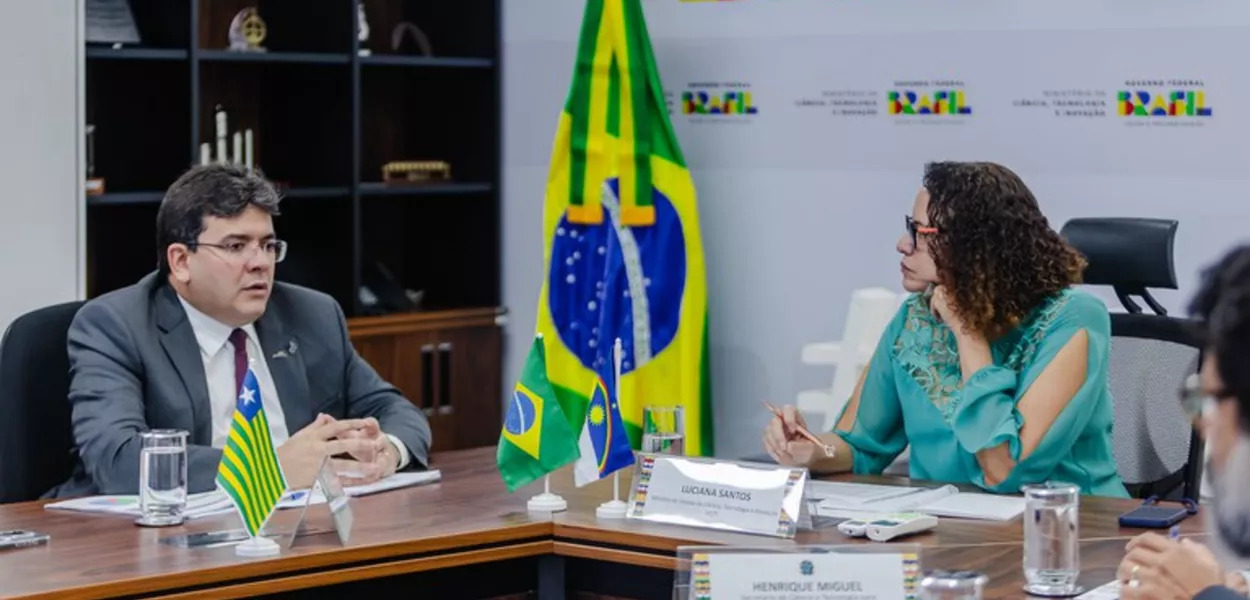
point(727, 495)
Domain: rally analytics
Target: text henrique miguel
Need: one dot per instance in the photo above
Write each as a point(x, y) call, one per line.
point(807, 586)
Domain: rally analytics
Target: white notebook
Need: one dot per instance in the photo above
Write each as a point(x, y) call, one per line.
point(945, 501)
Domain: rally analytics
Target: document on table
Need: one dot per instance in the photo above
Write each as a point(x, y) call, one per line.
point(204, 504)
point(199, 505)
point(1107, 591)
point(295, 498)
point(846, 501)
point(842, 493)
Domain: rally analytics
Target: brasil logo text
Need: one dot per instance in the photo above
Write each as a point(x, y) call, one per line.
point(1172, 98)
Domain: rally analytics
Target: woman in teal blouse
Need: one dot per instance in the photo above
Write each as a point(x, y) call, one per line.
point(995, 369)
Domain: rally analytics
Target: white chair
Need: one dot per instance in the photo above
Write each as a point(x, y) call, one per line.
point(870, 312)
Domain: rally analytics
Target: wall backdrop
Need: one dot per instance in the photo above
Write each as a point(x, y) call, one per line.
point(41, 174)
point(1115, 108)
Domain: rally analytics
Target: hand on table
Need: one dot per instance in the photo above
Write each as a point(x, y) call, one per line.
point(1158, 567)
point(302, 453)
point(377, 462)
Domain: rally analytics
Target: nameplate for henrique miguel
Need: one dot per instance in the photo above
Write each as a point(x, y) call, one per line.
point(803, 576)
point(743, 497)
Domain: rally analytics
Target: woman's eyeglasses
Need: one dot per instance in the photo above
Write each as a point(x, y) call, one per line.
point(914, 229)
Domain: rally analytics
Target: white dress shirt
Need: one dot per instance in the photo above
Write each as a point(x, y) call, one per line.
point(217, 353)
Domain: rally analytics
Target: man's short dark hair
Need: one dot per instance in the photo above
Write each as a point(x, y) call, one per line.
point(216, 190)
point(1223, 305)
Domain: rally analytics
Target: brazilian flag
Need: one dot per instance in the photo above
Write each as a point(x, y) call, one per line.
point(536, 438)
point(622, 248)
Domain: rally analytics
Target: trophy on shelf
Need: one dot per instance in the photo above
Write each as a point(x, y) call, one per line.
point(109, 22)
point(418, 38)
point(407, 172)
point(242, 144)
point(95, 185)
point(362, 30)
point(247, 31)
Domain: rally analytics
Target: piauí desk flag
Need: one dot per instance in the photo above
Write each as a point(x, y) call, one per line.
point(249, 470)
point(620, 223)
point(536, 438)
point(603, 444)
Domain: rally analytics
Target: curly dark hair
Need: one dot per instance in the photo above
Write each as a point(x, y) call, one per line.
point(994, 249)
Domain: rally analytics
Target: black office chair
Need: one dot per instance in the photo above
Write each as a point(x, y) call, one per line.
point(1157, 451)
point(36, 441)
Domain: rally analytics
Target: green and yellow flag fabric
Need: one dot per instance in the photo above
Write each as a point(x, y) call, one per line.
point(250, 471)
point(536, 438)
point(622, 248)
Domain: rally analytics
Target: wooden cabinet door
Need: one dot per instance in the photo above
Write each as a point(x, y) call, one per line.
point(408, 361)
point(469, 364)
point(448, 365)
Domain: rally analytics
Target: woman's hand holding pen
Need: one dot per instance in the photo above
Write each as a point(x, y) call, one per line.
point(789, 442)
point(783, 441)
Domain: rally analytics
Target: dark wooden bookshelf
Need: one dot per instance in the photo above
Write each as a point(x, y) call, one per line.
point(309, 58)
point(375, 188)
point(106, 53)
point(327, 112)
point(392, 60)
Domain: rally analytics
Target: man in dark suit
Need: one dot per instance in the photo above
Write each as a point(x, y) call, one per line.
point(170, 352)
point(1218, 399)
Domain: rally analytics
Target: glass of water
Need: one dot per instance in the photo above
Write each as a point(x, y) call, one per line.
point(1052, 559)
point(952, 585)
point(664, 430)
point(162, 477)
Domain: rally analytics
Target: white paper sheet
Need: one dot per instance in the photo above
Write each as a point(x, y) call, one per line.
point(1107, 591)
point(945, 501)
point(846, 494)
point(216, 502)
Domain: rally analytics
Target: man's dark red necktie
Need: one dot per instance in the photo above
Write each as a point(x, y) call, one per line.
point(238, 337)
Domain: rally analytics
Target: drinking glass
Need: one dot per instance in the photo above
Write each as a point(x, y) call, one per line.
point(663, 430)
point(162, 477)
point(952, 585)
point(1052, 558)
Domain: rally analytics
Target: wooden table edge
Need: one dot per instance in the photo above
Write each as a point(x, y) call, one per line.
point(584, 535)
point(614, 555)
point(413, 556)
point(378, 555)
point(374, 571)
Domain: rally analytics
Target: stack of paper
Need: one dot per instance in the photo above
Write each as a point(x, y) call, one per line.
point(854, 494)
point(852, 500)
point(1106, 591)
point(296, 498)
point(198, 505)
point(216, 502)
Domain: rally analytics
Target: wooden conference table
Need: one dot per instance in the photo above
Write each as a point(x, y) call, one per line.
point(467, 537)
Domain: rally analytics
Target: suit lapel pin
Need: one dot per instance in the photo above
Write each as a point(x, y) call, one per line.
point(291, 348)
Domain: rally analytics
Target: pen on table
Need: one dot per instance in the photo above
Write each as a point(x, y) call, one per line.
point(1175, 533)
point(811, 437)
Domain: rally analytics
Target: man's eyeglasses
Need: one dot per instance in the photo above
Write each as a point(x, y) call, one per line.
point(914, 229)
point(274, 249)
point(1195, 402)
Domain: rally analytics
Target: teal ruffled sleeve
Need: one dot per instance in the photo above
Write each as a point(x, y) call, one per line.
point(986, 414)
point(876, 437)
